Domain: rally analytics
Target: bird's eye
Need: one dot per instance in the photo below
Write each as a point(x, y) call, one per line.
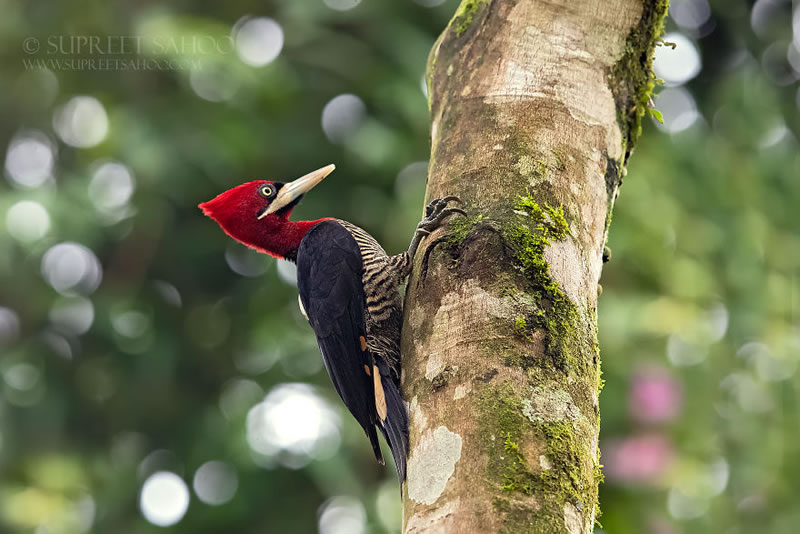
point(267, 191)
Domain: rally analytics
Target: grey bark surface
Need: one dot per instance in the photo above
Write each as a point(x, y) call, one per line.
point(535, 106)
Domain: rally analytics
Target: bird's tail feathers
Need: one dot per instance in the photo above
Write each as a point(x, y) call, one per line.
point(395, 426)
point(376, 446)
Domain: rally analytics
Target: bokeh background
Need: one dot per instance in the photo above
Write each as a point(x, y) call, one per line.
point(157, 377)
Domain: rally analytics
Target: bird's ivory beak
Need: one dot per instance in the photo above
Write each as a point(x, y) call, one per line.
point(291, 191)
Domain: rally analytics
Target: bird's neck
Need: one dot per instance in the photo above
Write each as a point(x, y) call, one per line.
point(282, 237)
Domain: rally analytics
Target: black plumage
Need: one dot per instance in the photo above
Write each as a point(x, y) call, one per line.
point(360, 349)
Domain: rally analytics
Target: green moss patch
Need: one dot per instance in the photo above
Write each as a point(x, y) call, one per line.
point(520, 324)
point(517, 518)
point(465, 14)
point(461, 227)
point(563, 475)
point(502, 424)
point(535, 228)
point(517, 477)
point(632, 77)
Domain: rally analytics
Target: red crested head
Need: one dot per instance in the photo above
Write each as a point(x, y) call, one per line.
point(257, 213)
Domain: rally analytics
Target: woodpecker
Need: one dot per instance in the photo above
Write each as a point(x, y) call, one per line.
point(348, 290)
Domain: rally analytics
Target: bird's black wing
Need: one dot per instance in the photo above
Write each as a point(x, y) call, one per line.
point(329, 271)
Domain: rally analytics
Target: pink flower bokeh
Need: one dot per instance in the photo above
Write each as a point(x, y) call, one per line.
point(655, 396)
point(641, 459)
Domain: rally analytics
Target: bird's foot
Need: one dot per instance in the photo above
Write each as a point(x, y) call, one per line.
point(435, 213)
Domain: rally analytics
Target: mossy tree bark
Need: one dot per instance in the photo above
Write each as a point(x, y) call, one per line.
point(536, 106)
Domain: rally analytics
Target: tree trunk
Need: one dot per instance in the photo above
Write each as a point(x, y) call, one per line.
point(535, 107)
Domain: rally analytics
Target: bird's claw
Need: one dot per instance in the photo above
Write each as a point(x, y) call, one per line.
point(436, 211)
point(456, 210)
point(438, 204)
